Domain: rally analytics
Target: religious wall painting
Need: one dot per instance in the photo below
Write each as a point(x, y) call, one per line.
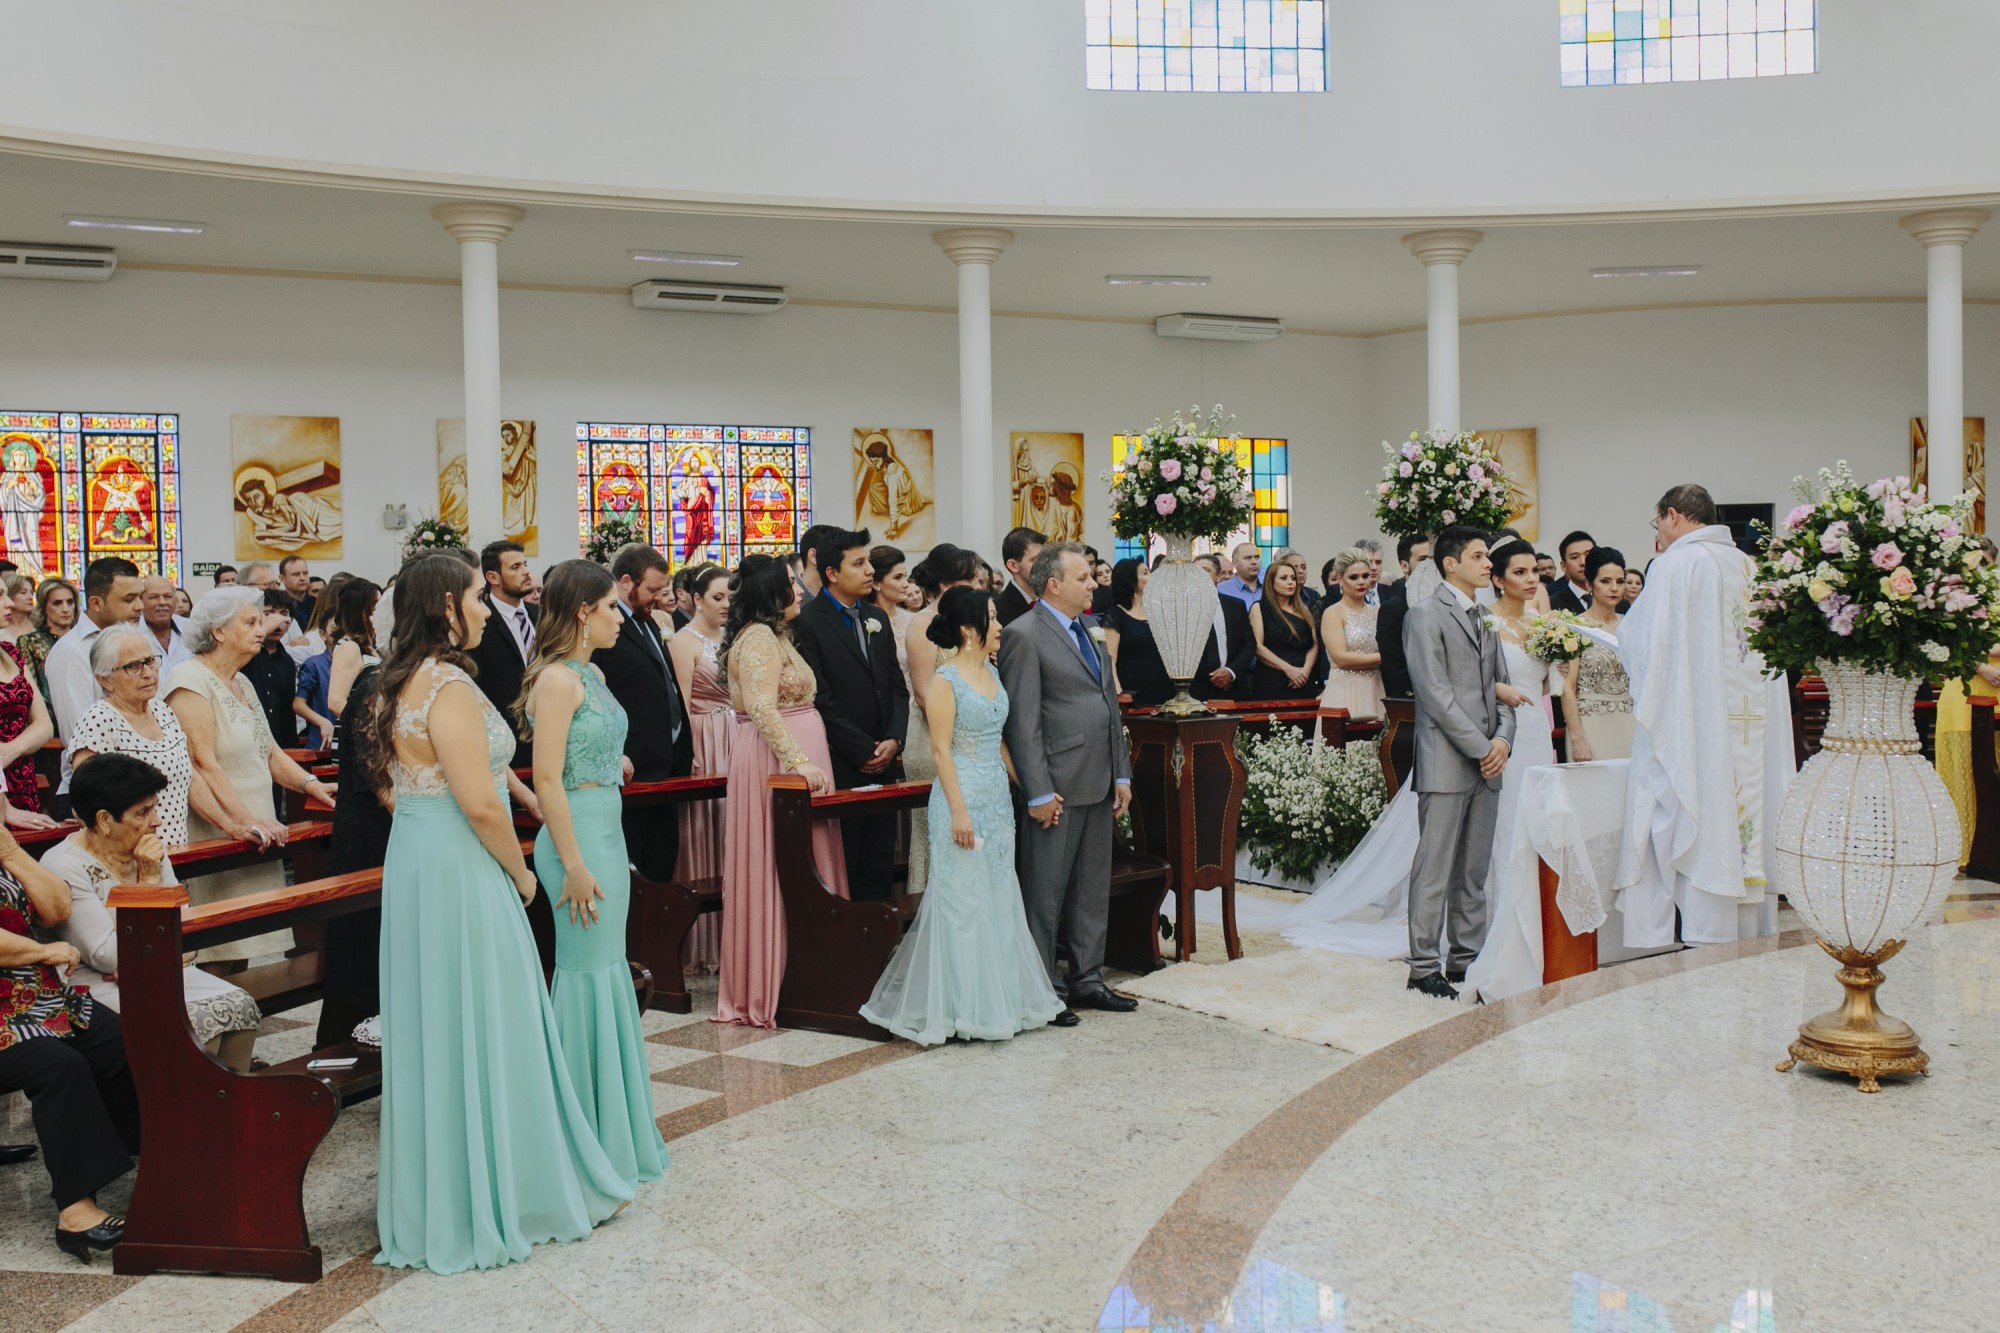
point(697, 493)
point(285, 483)
point(1516, 449)
point(1975, 463)
point(1046, 479)
point(518, 480)
point(75, 486)
point(895, 487)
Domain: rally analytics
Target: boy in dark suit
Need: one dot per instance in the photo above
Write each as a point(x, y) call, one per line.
point(863, 699)
point(658, 742)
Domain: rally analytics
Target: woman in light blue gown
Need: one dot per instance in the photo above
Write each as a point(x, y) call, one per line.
point(968, 968)
point(580, 763)
point(486, 1150)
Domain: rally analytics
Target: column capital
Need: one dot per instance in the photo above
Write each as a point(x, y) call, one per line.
point(1946, 226)
point(1443, 247)
point(973, 245)
point(478, 221)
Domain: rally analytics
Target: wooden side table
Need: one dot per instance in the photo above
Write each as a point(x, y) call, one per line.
point(1187, 790)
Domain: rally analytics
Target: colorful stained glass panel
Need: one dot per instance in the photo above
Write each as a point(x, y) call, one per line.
point(1205, 46)
point(697, 492)
point(1270, 525)
point(75, 486)
point(1679, 41)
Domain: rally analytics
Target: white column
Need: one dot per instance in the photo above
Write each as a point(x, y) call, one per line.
point(1442, 252)
point(1944, 233)
point(974, 249)
point(479, 229)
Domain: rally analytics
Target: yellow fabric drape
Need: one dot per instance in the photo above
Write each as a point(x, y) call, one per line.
point(1954, 758)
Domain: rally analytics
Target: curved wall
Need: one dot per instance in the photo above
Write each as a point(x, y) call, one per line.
point(979, 105)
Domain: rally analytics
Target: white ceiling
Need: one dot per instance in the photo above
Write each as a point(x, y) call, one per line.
point(1346, 278)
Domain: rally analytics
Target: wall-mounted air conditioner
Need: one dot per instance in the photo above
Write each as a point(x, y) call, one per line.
point(65, 263)
point(707, 297)
point(1219, 328)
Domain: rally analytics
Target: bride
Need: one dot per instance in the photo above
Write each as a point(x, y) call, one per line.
point(1363, 907)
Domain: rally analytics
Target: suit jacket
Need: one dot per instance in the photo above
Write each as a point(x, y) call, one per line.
point(863, 699)
point(644, 686)
point(1562, 597)
point(1063, 727)
point(1013, 604)
point(1239, 653)
point(1100, 603)
point(501, 667)
point(1395, 605)
point(1454, 666)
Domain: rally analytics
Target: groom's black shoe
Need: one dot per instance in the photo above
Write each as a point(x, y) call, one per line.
point(1433, 985)
point(1066, 1019)
point(1107, 1000)
point(16, 1152)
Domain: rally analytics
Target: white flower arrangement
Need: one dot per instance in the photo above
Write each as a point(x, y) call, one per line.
point(1435, 479)
point(1305, 805)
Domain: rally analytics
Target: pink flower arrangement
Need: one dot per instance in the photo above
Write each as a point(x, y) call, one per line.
point(1829, 541)
point(1165, 503)
point(1170, 470)
point(1796, 519)
point(1901, 584)
point(1887, 556)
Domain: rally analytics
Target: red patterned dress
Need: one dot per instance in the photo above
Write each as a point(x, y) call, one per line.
point(17, 710)
point(34, 1002)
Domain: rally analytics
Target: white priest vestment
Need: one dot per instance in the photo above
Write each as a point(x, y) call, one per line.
point(1711, 754)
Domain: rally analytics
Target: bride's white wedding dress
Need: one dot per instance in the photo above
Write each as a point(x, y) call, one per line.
point(1363, 907)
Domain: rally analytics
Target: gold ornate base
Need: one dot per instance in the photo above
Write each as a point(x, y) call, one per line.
point(1184, 704)
point(1858, 1039)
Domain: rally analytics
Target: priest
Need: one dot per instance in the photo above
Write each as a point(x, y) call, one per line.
point(1712, 750)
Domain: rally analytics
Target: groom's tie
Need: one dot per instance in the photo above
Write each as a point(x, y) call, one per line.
point(1089, 653)
point(1477, 614)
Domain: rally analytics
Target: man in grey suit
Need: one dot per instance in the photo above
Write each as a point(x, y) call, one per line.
point(1463, 738)
point(1068, 744)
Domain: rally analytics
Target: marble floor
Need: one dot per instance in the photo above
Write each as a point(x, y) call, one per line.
point(1615, 1154)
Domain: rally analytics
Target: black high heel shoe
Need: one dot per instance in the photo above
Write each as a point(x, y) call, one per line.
point(100, 1237)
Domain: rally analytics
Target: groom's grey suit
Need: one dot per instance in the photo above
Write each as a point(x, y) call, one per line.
point(1067, 739)
point(1454, 662)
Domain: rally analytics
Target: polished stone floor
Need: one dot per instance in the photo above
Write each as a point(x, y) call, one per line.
point(1612, 1155)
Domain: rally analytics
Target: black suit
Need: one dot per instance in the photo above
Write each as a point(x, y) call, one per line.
point(863, 700)
point(1394, 605)
point(1013, 604)
point(642, 680)
point(1241, 650)
point(1562, 597)
point(1100, 604)
point(501, 667)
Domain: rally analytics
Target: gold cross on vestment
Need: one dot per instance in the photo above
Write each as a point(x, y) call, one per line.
point(1746, 717)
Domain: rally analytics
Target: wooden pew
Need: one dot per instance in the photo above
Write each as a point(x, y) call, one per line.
point(221, 1185)
point(1984, 861)
point(662, 915)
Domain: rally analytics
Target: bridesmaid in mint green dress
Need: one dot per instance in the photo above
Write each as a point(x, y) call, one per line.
point(579, 740)
point(486, 1148)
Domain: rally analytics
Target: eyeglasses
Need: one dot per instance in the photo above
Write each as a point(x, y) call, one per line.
point(140, 666)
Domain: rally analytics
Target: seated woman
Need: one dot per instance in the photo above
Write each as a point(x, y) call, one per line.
point(116, 798)
point(66, 1052)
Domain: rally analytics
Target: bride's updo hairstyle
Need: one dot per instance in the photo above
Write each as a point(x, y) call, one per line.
point(959, 612)
point(1505, 553)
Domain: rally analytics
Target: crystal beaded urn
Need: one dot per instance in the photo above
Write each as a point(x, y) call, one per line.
point(1867, 846)
point(1180, 604)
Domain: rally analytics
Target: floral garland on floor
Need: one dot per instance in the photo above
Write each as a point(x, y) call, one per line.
point(1434, 480)
point(1306, 805)
point(1878, 576)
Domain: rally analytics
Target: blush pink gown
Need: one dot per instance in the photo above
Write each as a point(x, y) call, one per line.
point(776, 726)
point(703, 822)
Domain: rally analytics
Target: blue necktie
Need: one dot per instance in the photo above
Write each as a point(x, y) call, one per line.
point(1084, 646)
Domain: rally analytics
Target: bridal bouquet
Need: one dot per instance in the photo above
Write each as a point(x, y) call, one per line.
point(432, 534)
point(1553, 637)
point(1185, 481)
point(1433, 480)
point(1876, 575)
point(1304, 805)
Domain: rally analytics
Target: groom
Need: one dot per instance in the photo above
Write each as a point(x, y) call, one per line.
point(1463, 739)
point(1067, 741)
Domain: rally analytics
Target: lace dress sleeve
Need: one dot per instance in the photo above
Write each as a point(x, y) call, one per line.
point(755, 663)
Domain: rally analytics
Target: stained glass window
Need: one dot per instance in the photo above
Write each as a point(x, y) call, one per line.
point(75, 486)
point(1205, 46)
point(1270, 526)
point(697, 492)
point(1679, 41)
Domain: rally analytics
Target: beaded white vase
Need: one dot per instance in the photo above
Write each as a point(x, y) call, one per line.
point(1423, 581)
point(1180, 605)
point(1867, 842)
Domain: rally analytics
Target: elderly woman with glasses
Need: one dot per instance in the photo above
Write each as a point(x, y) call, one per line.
point(131, 719)
point(234, 752)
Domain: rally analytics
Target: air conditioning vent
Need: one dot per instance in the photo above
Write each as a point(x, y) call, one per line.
point(66, 263)
point(707, 297)
point(1219, 328)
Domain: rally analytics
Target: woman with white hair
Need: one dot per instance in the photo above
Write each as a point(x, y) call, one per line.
point(233, 752)
point(132, 719)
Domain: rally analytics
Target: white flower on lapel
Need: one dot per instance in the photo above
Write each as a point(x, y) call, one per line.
point(873, 625)
point(1489, 624)
point(1097, 633)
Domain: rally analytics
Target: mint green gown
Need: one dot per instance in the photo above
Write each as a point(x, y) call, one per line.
point(597, 1013)
point(486, 1149)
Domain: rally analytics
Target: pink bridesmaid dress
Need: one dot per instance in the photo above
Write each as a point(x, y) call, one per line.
point(703, 822)
point(776, 728)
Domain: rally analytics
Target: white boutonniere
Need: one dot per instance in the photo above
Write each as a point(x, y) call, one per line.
point(1097, 633)
point(873, 625)
point(1489, 624)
